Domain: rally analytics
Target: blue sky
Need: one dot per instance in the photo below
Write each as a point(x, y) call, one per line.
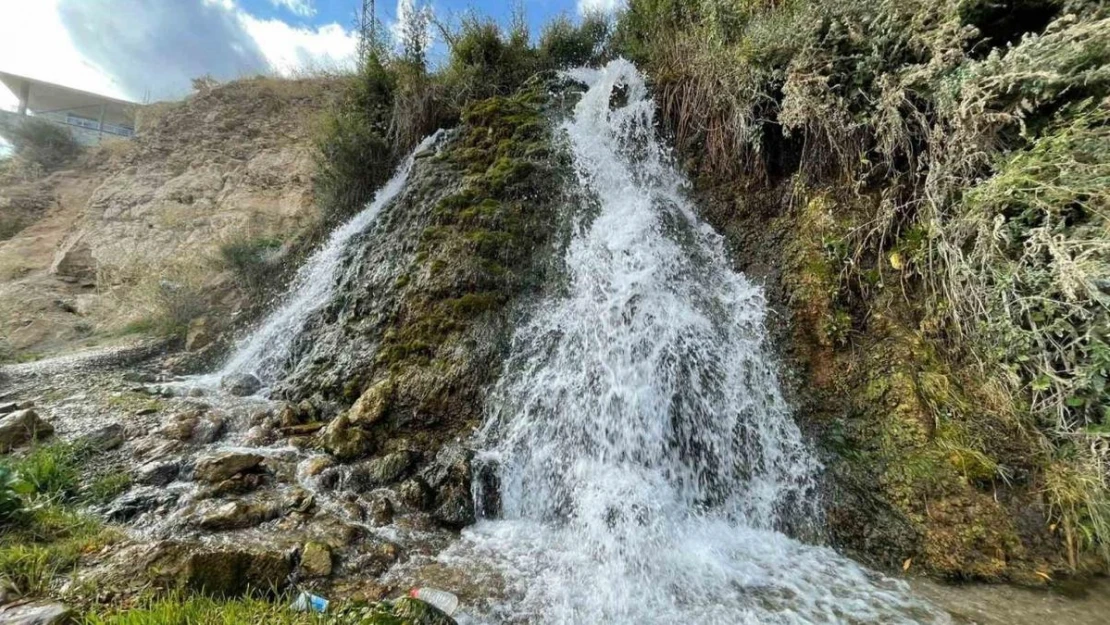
point(148, 50)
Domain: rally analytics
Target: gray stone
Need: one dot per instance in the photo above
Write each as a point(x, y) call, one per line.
point(199, 334)
point(241, 384)
point(158, 472)
point(22, 426)
point(36, 614)
point(234, 572)
point(316, 560)
point(382, 471)
point(106, 438)
point(235, 515)
point(214, 469)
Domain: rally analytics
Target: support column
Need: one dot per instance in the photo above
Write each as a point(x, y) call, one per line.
point(24, 96)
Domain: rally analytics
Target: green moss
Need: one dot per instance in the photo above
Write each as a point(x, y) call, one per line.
point(483, 231)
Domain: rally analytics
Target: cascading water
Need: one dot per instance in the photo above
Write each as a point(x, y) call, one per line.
point(644, 452)
point(264, 352)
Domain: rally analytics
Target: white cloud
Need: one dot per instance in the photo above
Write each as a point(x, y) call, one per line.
point(290, 50)
point(603, 6)
point(303, 8)
point(156, 47)
point(33, 42)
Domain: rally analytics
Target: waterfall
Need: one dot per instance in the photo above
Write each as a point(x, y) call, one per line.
point(264, 351)
point(645, 456)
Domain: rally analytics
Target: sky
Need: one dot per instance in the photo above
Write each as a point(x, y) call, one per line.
point(150, 50)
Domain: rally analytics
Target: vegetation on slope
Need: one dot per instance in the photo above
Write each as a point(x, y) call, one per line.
point(942, 168)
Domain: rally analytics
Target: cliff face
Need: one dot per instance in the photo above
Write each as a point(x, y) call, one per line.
point(98, 244)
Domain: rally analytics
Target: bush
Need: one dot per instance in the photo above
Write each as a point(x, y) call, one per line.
point(564, 44)
point(355, 157)
point(252, 261)
point(45, 143)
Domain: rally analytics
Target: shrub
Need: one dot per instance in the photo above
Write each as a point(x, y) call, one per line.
point(564, 44)
point(45, 143)
point(355, 157)
point(252, 260)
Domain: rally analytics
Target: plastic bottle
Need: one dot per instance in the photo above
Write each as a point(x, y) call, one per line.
point(440, 599)
point(308, 602)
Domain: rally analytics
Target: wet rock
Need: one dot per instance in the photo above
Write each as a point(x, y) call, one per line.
point(381, 511)
point(316, 560)
point(140, 377)
point(233, 572)
point(136, 502)
point(260, 436)
point(199, 334)
point(371, 406)
point(223, 466)
point(234, 515)
point(106, 438)
point(454, 506)
point(40, 613)
point(449, 479)
point(380, 555)
point(158, 472)
point(209, 429)
point(289, 416)
point(315, 465)
point(238, 485)
point(241, 384)
point(8, 407)
point(381, 471)
point(346, 442)
point(149, 449)
point(20, 427)
point(414, 494)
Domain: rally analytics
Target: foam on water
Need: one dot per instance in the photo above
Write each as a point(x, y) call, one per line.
point(646, 458)
point(264, 351)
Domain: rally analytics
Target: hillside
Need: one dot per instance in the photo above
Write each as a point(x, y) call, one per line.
point(127, 237)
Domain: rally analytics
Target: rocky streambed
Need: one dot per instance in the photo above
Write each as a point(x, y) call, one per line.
point(228, 493)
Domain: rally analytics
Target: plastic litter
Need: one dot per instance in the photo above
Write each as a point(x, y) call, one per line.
point(442, 600)
point(308, 602)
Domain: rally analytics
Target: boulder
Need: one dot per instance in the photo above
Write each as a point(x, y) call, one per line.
point(38, 613)
point(241, 384)
point(346, 442)
point(138, 501)
point(382, 471)
point(234, 515)
point(199, 335)
point(316, 560)
point(74, 261)
point(158, 472)
point(106, 438)
point(449, 478)
point(381, 511)
point(220, 467)
point(372, 405)
point(233, 572)
point(20, 427)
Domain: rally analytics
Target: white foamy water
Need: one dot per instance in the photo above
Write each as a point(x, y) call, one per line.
point(646, 457)
point(264, 351)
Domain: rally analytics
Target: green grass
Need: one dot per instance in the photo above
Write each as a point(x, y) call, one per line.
point(106, 487)
point(50, 471)
point(45, 544)
point(177, 609)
